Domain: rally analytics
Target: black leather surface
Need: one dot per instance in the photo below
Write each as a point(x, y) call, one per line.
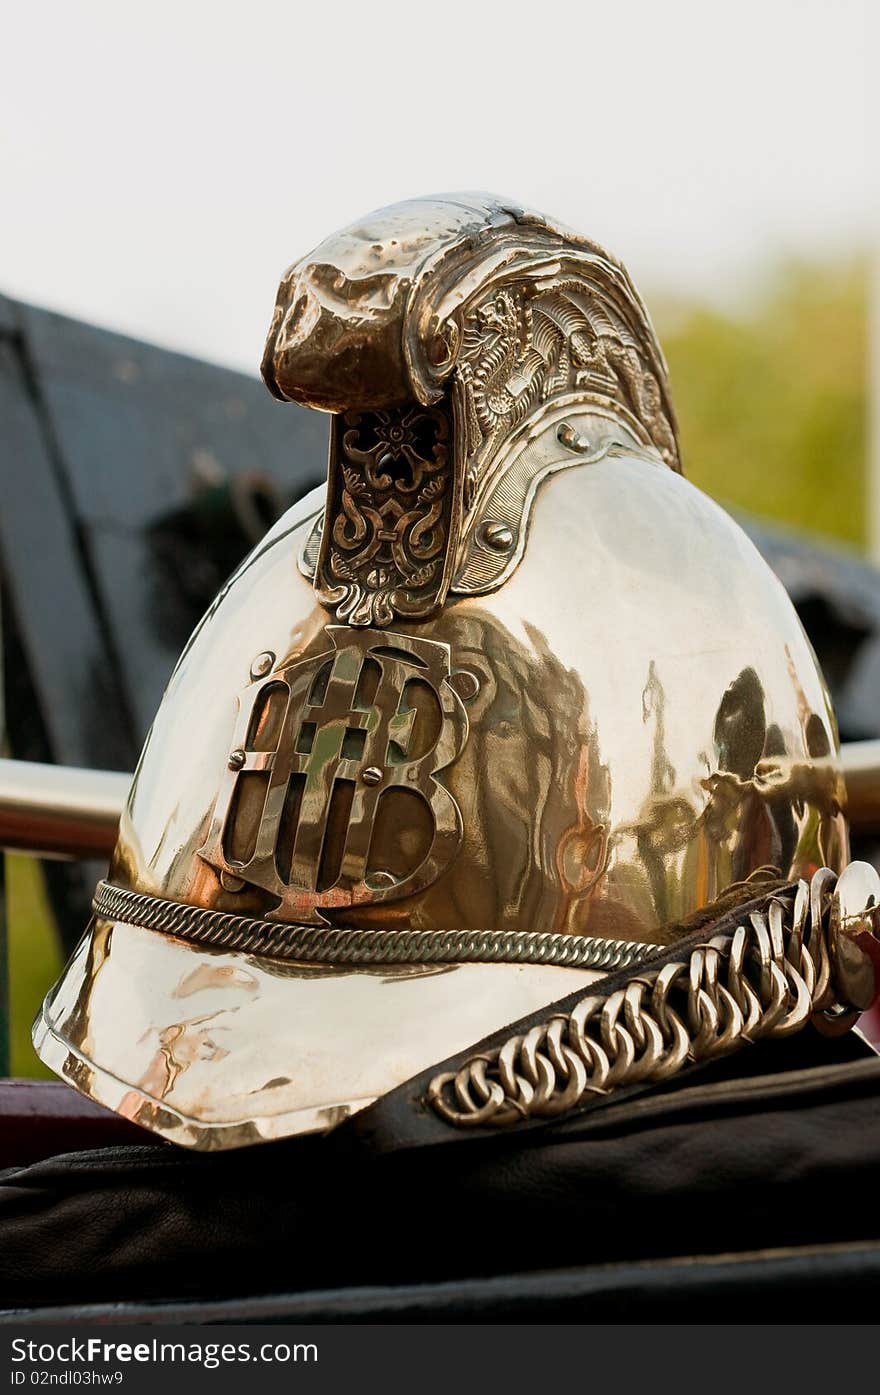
point(830, 1283)
point(726, 1167)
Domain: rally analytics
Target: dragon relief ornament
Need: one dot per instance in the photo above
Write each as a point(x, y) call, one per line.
point(521, 349)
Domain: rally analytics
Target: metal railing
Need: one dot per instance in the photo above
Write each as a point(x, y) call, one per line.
point(61, 811)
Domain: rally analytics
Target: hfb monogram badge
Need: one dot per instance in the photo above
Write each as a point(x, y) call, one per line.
point(325, 751)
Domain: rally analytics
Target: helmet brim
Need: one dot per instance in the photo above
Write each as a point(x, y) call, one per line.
point(215, 1049)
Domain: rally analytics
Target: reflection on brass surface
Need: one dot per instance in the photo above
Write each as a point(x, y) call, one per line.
point(218, 1050)
point(853, 935)
point(571, 704)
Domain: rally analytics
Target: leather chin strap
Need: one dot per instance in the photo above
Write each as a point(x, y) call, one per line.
point(761, 970)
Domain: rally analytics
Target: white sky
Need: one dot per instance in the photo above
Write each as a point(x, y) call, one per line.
point(161, 164)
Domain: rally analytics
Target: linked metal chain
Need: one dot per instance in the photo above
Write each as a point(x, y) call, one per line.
point(764, 979)
point(325, 945)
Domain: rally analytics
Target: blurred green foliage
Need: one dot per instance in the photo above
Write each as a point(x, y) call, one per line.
point(34, 957)
point(772, 404)
point(772, 401)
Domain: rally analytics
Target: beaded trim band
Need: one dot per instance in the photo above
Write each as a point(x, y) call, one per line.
point(319, 945)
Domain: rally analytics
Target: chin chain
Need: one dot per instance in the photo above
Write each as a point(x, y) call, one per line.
point(798, 957)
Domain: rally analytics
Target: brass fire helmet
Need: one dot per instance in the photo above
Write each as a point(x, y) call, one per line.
point(506, 707)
